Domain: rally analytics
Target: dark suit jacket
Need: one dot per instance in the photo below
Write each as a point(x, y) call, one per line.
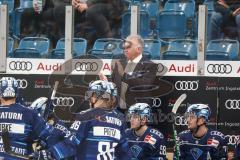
point(143, 74)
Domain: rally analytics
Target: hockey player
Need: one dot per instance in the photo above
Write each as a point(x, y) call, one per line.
point(101, 132)
point(60, 129)
point(23, 124)
point(200, 142)
point(237, 149)
point(145, 142)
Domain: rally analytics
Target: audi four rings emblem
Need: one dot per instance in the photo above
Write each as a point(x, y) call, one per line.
point(20, 65)
point(63, 101)
point(160, 67)
point(186, 85)
point(22, 83)
point(86, 66)
point(156, 102)
point(232, 139)
point(219, 68)
point(232, 104)
point(180, 121)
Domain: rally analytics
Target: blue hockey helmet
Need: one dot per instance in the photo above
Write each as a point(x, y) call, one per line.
point(103, 89)
point(8, 87)
point(142, 109)
point(199, 110)
point(39, 105)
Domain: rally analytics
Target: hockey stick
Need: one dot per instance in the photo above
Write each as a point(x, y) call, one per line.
point(7, 147)
point(174, 111)
point(49, 108)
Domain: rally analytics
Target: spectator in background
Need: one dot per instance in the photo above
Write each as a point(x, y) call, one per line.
point(40, 19)
point(101, 13)
point(227, 13)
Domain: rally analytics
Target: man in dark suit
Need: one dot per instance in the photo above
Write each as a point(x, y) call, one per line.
point(135, 74)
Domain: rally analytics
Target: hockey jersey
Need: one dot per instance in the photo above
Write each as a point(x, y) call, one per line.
point(24, 126)
point(237, 149)
point(212, 145)
point(149, 146)
point(101, 136)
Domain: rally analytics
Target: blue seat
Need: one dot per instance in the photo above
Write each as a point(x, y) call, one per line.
point(107, 48)
point(10, 46)
point(209, 4)
point(222, 49)
point(24, 4)
point(181, 49)
point(32, 47)
point(79, 48)
point(144, 24)
point(153, 47)
point(171, 24)
point(10, 4)
point(151, 6)
point(185, 6)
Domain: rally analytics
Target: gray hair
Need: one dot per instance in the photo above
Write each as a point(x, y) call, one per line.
point(138, 38)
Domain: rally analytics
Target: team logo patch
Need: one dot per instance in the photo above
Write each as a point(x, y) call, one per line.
point(196, 153)
point(135, 150)
point(213, 142)
point(150, 139)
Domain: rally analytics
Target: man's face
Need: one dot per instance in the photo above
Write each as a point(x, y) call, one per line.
point(135, 121)
point(131, 49)
point(191, 121)
point(93, 99)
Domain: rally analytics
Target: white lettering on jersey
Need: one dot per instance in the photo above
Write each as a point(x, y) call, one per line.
point(216, 133)
point(17, 150)
point(11, 115)
point(154, 131)
point(12, 127)
point(113, 120)
point(106, 131)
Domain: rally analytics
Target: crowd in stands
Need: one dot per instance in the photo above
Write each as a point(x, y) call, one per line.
point(160, 19)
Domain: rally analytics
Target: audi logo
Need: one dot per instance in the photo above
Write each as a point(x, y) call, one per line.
point(156, 102)
point(20, 65)
point(219, 68)
point(232, 139)
point(232, 104)
point(180, 121)
point(162, 117)
point(160, 67)
point(63, 101)
point(22, 83)
point(86, 66)
point(186, 85)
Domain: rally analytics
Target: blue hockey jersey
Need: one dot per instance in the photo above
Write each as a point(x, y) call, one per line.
point(101, 136)
point(212, 145)
point(237, 149)
point(149, 146)
point(24, 126)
